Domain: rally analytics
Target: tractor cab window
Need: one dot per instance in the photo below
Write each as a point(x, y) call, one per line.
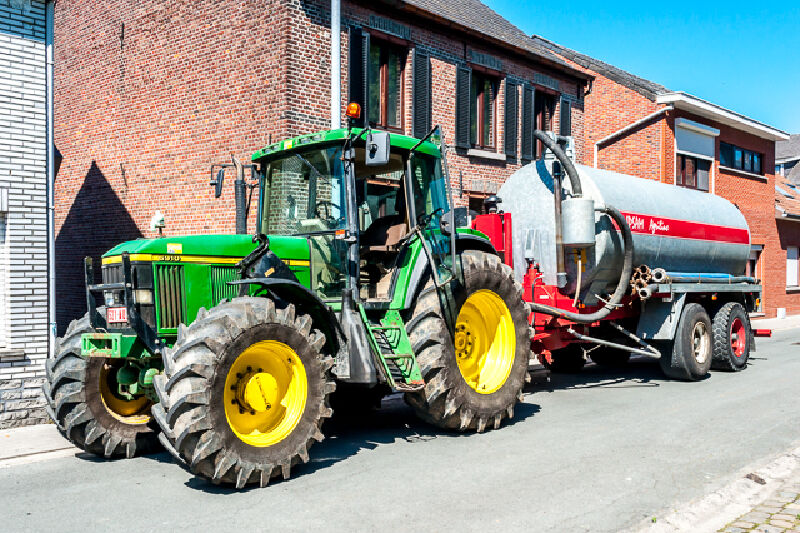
point(304, 193)
point(430, 189)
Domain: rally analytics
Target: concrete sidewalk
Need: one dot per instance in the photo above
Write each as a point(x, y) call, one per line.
point(776, 324)
point(33, 443)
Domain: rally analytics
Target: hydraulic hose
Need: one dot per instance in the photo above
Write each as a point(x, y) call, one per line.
point(622, 285)
point(554, 147)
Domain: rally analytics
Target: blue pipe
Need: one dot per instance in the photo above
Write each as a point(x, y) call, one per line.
point(706, 277)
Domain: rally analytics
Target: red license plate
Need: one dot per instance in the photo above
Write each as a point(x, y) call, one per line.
point(116, 314)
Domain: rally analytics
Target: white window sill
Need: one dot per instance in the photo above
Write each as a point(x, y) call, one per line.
point(743, 173)
point(793, 289)
point(486, 154)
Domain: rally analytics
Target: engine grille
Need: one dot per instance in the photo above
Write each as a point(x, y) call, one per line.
point(112, 273)
point(220, 290)
point(171, 301)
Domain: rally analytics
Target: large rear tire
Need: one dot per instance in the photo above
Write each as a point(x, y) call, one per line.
point(82, 401)
point(731, 329)
point(690, 356)
point(474, 378)
point(244, 392)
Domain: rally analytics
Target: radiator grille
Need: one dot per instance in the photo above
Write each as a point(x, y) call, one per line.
point(171, 301)
point(112, 273)
point(220, 290)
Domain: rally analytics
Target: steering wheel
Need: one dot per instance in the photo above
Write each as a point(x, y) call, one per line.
point(329, 219)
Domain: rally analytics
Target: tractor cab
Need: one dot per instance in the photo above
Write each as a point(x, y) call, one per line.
point(330, 189)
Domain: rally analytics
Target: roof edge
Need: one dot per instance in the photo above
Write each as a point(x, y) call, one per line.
point(688, 102)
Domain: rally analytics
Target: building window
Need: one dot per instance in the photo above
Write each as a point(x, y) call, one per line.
point(565, 122)
point(692, 172)
point(544, 106)
point(386, 73)
point(792, 267)
point(732, 156)
point(483, 96)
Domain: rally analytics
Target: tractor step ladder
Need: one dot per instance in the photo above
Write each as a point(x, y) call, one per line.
point(393, 349)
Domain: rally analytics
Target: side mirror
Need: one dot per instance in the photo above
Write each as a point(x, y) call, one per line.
point(377, 148)
point(217, 183)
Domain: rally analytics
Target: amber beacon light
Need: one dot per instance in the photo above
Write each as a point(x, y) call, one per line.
point(353, 110)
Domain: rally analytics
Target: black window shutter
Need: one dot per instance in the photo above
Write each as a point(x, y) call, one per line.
point(511, 118)
point(358, 72)
point(421, 124)
point(565, 126)
point(527, 123)
point(463, 83)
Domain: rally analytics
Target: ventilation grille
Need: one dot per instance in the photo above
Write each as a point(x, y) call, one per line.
point(220, 290)
point(112, 274)
point(171, 301)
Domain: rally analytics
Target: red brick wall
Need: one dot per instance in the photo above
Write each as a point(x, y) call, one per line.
point(141, 116)
point(788, 235)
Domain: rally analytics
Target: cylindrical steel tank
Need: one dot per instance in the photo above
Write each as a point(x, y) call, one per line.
point(673, 228)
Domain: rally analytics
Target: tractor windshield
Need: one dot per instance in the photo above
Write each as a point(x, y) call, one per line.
point(304, 193)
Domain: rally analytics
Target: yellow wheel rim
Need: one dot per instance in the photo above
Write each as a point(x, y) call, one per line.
point(136, 411)
point(265, 393)
point(485, 341)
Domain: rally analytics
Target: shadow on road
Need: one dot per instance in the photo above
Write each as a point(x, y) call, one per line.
point(351, 431)
point(639, 372)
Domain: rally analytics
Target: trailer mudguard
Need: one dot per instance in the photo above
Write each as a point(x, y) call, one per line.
point(659, 319)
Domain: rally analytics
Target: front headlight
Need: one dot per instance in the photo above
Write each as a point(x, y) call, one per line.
point(109, 298)
point(143, 296)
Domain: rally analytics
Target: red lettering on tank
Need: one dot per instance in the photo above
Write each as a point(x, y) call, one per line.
point(685, 229)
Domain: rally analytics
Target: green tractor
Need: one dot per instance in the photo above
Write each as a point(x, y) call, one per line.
point(226, 349)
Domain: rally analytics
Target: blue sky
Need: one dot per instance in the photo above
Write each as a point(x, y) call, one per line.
point(742, 55)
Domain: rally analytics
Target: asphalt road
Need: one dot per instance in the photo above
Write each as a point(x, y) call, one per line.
point(597, 451)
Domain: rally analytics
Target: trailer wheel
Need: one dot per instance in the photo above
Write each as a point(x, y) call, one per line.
point(82, 400)
point(244, 392)
point(611, 358)
point(473, 378)
point(731, 329)
point(690, 357)
point(567, 360)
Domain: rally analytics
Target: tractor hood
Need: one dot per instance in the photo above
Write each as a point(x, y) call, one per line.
point(211, 246)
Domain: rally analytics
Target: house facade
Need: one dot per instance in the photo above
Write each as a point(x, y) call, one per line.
point(23, 211)
point(641, 128)
point(149, 96)
point(787, 208)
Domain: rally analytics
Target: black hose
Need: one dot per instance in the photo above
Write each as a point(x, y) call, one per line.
point(622, 285)
point(574, 179)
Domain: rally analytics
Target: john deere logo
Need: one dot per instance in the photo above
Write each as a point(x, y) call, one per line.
point(174, 248)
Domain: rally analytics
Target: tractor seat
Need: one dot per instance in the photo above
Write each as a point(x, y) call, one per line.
point(384, 234)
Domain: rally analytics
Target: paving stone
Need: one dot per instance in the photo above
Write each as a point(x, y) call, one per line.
point(755, 517)
point(732, 529)
point(769, 509)
point(782, 523)
point(742, 524)
point(783, 516)
point(769, 529)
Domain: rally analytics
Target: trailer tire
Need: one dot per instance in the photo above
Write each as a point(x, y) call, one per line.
point(731, 329)
point(244, 392)
point(86, 412)
point(610, 358)
point(691, 353)
point(567, 360)
point(490, 306)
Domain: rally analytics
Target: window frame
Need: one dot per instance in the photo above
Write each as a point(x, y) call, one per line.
point(401, 50)
point(796, 260)
point(680, 170)
point(5, 271)
point(543, 95)
point(478, 106)
point(747, 157)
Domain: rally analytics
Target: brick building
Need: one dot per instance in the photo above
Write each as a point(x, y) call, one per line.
point(637, 127)
point(23, 214)
point(149, 95)
point(787, 208)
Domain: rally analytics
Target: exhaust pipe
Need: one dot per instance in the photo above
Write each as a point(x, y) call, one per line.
point(659, 275)
point(241, 200)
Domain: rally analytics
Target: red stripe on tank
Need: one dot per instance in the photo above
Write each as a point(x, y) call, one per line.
point(685, 229)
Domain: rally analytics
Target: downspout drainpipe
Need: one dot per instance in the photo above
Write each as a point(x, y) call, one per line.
point(628, 128)
point(51, 178)
point(336, 64)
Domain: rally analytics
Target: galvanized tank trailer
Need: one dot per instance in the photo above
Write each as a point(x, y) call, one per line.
point(614, 265)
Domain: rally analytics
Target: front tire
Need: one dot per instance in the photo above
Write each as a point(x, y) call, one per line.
point(474, 380)
point(81, 400)
point(244, 392)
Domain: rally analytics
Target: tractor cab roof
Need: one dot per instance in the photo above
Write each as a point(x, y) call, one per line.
point(403, 142)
